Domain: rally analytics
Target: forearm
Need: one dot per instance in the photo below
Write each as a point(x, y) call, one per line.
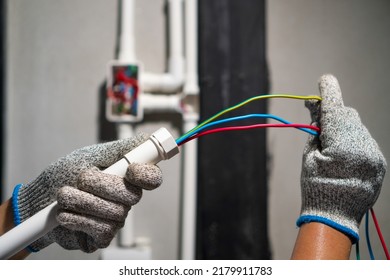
point(6, 224)
point(317, 241)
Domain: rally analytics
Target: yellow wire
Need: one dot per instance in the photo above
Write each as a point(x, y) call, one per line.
point(307, 97)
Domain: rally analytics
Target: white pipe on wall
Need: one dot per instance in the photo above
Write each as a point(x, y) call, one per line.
point(126, 237)
point(153, 103)
point(188, 222)
point(190, 118)
point(191, 86)
point(127, 42)
point(172, 81)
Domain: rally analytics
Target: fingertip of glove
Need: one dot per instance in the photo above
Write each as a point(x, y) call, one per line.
point(327, 78)
point(146, 176)
point(330, 91)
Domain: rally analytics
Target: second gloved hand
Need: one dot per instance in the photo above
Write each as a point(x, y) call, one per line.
point(343, 169)
point(92, 205)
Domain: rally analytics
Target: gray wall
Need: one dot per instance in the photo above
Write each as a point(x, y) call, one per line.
point(306, 39)
point(56, 62)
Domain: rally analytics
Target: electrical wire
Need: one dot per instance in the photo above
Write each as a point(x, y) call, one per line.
point(380, 234)
point(368, 238)
point(246, 127)
point(313, 130)
point(357, 250)
point(239, 105)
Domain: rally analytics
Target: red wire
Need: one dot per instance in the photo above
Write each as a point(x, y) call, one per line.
point(380, 234)
point(246, 127)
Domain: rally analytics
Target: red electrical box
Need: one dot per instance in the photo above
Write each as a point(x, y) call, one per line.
point(123, 91)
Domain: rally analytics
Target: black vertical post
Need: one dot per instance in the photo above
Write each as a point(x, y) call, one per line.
point(232, 197)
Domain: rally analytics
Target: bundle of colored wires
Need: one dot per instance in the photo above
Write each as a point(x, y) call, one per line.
point(206, 127)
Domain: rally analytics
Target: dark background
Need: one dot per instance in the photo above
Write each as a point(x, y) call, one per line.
point(232, 198)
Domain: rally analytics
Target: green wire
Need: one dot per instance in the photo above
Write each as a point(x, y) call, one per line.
point(357, 250)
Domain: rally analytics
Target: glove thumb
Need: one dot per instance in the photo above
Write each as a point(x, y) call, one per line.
point(330, 93)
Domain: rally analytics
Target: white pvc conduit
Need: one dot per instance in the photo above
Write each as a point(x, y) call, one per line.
point(126, 236)
point(190, 156)
point(127, 42)
point(191, 86)
point(172, 81)
point(188, 219)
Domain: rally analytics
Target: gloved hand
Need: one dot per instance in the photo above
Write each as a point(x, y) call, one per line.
point(92, 205)
point(343, 169)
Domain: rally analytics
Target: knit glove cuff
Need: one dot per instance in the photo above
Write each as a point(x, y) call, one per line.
point(29, 199)
point(345, 216)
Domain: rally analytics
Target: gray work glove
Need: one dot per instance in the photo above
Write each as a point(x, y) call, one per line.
point(343, 169)
point(92, 205)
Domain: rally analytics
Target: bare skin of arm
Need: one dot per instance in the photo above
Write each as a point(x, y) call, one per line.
point(6, 224)
point(317, 241)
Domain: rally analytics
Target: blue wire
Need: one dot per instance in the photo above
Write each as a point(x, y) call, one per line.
point(368, 239)
point(183, 138)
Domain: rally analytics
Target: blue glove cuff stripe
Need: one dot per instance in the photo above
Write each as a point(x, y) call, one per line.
point(15, 204)
point(15, 209)
point(347, 231)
